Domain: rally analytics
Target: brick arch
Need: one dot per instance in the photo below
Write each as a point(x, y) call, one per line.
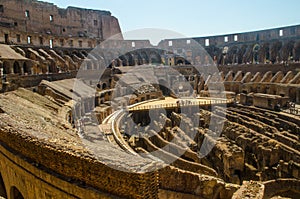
point(15, 193)
point(2, 188)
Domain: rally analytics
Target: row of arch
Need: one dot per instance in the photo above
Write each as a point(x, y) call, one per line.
point(268, 52)
point(116, 57)
point(16, 67)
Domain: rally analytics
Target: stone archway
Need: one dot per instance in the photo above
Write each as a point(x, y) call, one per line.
point(84, 53)
point(124, 60)
point(275, 51)
point(104, 86)
point(297, 51)
point(293, 94)
point(180, 61)
point(288, 51)
point(155, 58)
point(145, 58)
point(130, 59)
point(138, 58)
point(26, 68)
point(255, 53)
point(264, 53)
point(2, 188)
point(233, 56)
point(17, 68)
point(6, 67)
point(15, 193)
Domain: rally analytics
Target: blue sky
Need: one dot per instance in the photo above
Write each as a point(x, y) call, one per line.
point(196, 17)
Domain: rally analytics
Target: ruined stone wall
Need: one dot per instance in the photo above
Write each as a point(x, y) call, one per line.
point(17, 81)
point(262, 68)
point(266, 46)
point(42, 23)
point(34, 182)
point(103, 174)
point(237, 38)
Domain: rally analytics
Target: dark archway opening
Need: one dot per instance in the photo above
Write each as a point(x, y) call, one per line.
point(130, 59)
point(26, 69)
point(104, 86)
point(6, 68)
point(2, 188)
point(16, 194)
point(155, 58)
point(17, 69)
point(179, 62)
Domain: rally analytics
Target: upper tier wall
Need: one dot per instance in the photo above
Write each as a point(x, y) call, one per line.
point(45, 21)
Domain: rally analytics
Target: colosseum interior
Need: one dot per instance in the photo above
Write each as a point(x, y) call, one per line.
point(209, 117)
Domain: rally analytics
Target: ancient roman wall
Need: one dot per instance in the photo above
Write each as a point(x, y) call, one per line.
point(39, 23)
point(266, 46)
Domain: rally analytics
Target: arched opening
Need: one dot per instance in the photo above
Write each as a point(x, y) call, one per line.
point(15, 193)
point(233, 55)
point(292, 94)
point(255, 51)
point(124, 60)
point(2, 188)
point(288, 51)
point(275, 52)
point(78, 54)
point(17, 69)
point(66, 53)
point(138, 58)
point(179, 62)
point(155, 58)
point(51, 68)
point(297, 51)
point(6, 68)
point(130, 59)
point(118, 62)
point(104, 86)
point(84, 53)
point(26, 68)
point(144, 57)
